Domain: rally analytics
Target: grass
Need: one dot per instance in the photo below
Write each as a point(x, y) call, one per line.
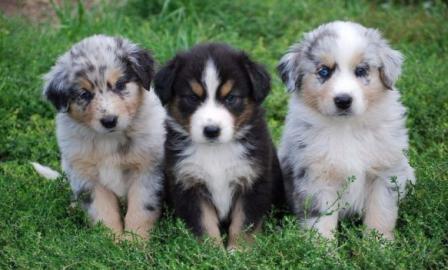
point(39, 229)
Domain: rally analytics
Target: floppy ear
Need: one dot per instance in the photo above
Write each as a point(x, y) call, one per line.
point(289, 69)
point(164, 79)
point(390, 68)
point(259, 78)
point(142, 64)
point(57, 89)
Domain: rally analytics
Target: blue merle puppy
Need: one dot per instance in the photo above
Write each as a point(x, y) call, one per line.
point(110, 130)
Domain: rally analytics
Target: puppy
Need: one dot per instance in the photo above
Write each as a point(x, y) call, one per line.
point(221, 165)
point(110, 130)
point(344, 142)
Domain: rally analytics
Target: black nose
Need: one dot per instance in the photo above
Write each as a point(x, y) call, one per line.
point(343, 101)
point(211, 132)
point(109, 121)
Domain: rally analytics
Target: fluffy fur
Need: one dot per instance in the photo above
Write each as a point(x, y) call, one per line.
point(110, 130)
point(221, 165)
point(344, 142)
point(45, 171)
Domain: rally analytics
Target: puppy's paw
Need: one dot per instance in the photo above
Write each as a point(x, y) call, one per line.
point(387, 236)
point(131, 237)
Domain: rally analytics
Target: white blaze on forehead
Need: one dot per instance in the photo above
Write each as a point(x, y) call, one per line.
point(349, 41)
point(210, 78)
point(211, 112)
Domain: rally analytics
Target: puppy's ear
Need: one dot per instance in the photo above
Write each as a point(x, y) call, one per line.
point(390, 59)
point(57, 89)
point(259, 78)
point(289, 70)
point(142, 64)
point(164, 79)
point(390, 68)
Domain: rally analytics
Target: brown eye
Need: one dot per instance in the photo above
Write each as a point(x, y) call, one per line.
point(191, 99)
point(361, 71)
point(120, 85)
point(86, 95)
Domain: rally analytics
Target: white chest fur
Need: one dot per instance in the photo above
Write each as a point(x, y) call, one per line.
point(220, 167)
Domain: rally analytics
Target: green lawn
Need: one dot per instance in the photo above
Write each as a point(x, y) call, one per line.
point(39, 228)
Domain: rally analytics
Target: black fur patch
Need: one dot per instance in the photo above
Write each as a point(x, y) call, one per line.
point(150, 207)
point(142, 64)
point(85, 197)
point(59, 91)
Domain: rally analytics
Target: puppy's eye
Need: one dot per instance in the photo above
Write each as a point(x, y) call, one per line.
point(324, 72)
point(232, 99)
point(361, 71)
point(86, 95)
point(191, 99)
point(120, 85)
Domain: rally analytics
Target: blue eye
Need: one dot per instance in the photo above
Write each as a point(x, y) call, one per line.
point(361, 71)
point(324, 72)
point(86, 95)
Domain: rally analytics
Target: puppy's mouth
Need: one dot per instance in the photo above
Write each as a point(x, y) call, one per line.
point(344, 113)
point(110, 131)
point(215, 141)
point(208, 141)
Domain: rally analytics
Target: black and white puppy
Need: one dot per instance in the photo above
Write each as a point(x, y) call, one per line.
point(344, 142)
point(110, 130)
point(221, 164)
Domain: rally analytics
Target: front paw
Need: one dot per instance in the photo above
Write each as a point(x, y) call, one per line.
point(379, 235)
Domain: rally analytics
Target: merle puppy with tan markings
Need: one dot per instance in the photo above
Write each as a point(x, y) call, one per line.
point(110, 130)
point(221, 164)
point(344, 142)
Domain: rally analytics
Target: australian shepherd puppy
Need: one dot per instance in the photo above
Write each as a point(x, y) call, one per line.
point(344, 145)
point(110, 130)
point(221, 166)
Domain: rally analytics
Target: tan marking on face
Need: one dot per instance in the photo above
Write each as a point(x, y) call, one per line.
point(139, 220)
point(173, 109)
point(237, 231)
point(226, 88)
point(107, 209)
point(85, 84)
point(76, 111)
point(357, 59)
point(113, 75)
point(197, 88)
point(327, 60)
point(315, 93)
point(375, 90)
point(83, 115)
point(246, 115)
point(210, 222)
point(133, 101)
